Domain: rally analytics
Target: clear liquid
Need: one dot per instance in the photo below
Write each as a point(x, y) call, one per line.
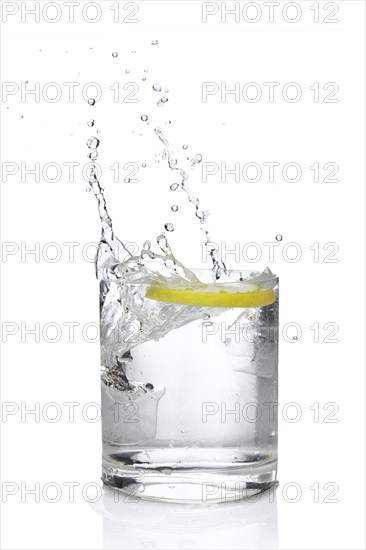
point(178, 396)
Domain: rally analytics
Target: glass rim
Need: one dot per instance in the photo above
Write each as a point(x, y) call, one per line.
point(256, 276)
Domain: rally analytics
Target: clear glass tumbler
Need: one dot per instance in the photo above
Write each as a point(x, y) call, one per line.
point(189, 387)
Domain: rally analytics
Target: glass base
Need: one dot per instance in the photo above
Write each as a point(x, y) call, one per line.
point(206, 483)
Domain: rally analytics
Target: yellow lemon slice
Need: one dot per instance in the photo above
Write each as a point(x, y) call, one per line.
point(214, 295)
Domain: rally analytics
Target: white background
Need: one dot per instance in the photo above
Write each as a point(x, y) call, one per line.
point(37, 290)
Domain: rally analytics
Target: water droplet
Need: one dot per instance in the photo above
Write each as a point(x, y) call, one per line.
point(93, 155)
point(143, 165)
point(166, 90)
point(149, 386)
point(91, 101)
point(154, 42)
point(279, 237)
point(144, 118)
point(21, 116)
point(88, 189)
point(295, 338)
point(133, 51)
point(185, 146)
point(196, 159)
point(115, 54)
point(205, 316)
point(156, 87)
point(174, 186)
point(93, 143)
point(127, 71)
point(98, 131)
point(162, 101)
point(169, 227)
point(146, 245)
point(91, 122)
point(143, 78)
point(183, 431)
point(162, 242)
point(174, 208)
point(227, 341)
point(157, 130)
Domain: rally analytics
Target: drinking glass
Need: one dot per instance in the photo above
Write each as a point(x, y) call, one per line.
point(189, 390)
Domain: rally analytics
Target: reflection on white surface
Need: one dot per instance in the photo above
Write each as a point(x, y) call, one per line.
point(129, 523)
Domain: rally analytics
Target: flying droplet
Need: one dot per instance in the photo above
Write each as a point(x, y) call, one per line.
point(21, 116)
point(227, 341)
point(279, 237)
point(127, 71)
point(205, 316)
point(91, 101)
point(88, 189)
point(98, 131)
point(143, 78)
point(146, 70)
point(169, 227)
point(174, 186)
point(91, 122)
point(115, 54)
point(156, 87)
point(162, 101)
point(92, 143)
point(185, 146)
point(154, 42)
point(144, 118)
point(174, 208)
point(143, 165)
point(196, 159)
point(133, 51)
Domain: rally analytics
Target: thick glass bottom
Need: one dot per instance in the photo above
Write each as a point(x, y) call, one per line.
point(196, 476)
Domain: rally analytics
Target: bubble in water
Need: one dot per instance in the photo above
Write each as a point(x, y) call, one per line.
point(144, 118)
point(185, 146)
point(156, 87)
point(174, 208)
point(91, 101)
point(169, 227)
point(196, 159)
point(279, 237)
point(91, 122)
point(154, 42)
point(162, 101)
point(115, 54)
point(92, 143)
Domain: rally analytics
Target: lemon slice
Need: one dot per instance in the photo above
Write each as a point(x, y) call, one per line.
point(213, 295)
